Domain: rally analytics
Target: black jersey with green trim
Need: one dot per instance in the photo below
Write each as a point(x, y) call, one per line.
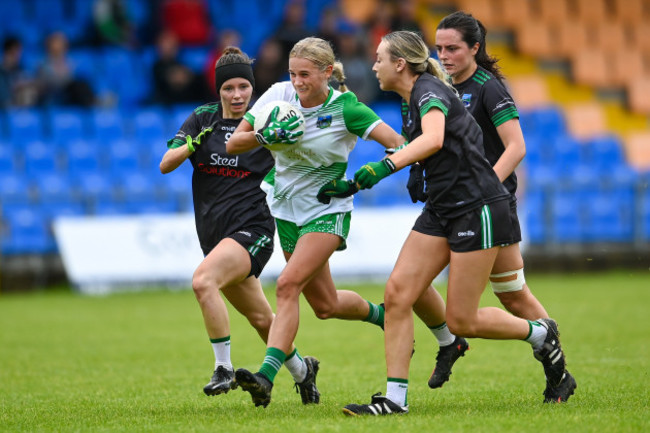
point(225, 188)
point(459, 178)
point(488, 100)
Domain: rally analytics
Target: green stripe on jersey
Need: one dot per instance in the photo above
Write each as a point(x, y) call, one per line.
point(431, 104)
point(209, 108)
point(480, 77)
point(504, 116)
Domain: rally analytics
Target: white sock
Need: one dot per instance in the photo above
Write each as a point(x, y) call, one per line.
point(396, 390)
point(537, 334)
point(296, 366)
point(221, 348)
point(444, 337)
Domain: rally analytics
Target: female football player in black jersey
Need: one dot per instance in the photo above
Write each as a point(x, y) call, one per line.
point(233, 222)
point(462, 51)
point(465, 222)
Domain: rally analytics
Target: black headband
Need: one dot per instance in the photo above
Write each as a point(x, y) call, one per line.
point(233, 70)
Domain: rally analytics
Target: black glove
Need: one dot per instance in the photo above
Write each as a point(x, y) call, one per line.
point(415, 184)
point(337, 188)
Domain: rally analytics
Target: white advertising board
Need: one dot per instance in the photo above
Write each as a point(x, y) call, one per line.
point(101, 254)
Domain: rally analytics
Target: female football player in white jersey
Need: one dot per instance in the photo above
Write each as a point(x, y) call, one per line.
point(233, 222)
point(311, 229)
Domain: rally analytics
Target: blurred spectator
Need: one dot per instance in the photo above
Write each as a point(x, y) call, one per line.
point(227, 38)
point(55, 76)
point(188, 20)
point(112, 24)
point(269, 67)
point(405, 16)
point(380, 24)
point(173, 81)
point(16, 87)
point(359, 77)
point(292, 28)
point(328, 27)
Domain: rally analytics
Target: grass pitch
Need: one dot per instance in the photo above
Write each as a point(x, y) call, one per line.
point(137, 362)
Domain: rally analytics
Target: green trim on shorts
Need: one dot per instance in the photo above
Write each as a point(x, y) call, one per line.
point(486, 228)
point(336, 224)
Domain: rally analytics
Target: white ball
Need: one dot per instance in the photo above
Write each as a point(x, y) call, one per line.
point(286, 112)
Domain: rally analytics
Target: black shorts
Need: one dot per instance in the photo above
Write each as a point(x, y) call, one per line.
point(479, 229)
point(516, 229)
point(259, 245)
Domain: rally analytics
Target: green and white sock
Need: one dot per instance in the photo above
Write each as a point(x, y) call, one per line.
point(272, 363)
point(296, 366)
point(375, 315)
point(221, 348)
point(396, 390)
point(443, 335)
point(536, 335)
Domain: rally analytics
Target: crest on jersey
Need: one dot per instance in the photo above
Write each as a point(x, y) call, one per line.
point(467, 99)
point(324, 121)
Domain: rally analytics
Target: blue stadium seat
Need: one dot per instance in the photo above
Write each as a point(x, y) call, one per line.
point(547, 120)
point(536, 153)
point(85, 64)
point(25, 125)
point(179, 182)
point(622, 178)
point(53, 188)
point(14, 189)
point(64, 208)
point(47, 15)
point(121, 75)
point(135, 186)
point(540, 177)
point(40, 159)
point(13, 17)
point(567, 154)
point(67, 125)
point(105, 207)
point(150, 123)
point(8, 162)
point(584, 177)
point(606, 152)
point(123, 158)
point(532, 214)
point(195, 58)
point(644, 217)
point(81, 11)
point(139, 11)
point(610, 219)
point(566, 219)
point(94, 186)
point(150, 206)
point(107, 124)
point(84, 158)
point(28, 231)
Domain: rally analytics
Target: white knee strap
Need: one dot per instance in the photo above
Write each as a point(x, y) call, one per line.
point(515, 281)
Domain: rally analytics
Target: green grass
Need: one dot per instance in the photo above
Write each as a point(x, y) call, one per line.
point(137, 362)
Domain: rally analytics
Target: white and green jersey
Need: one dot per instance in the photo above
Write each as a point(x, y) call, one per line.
point(322, 154)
